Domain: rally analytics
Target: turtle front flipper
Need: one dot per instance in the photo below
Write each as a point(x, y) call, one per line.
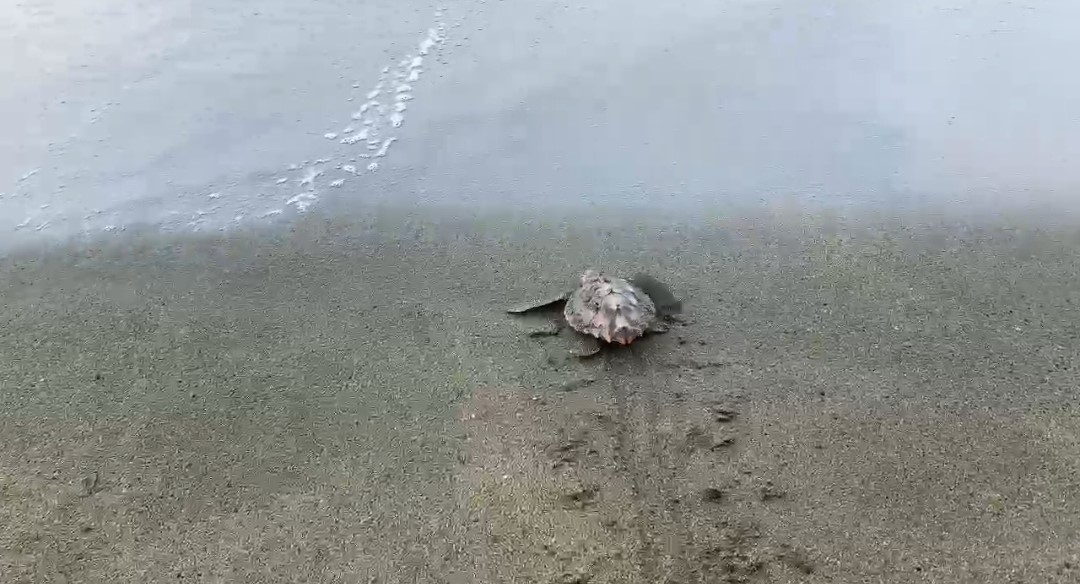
point(555, 303)
point(666, 302)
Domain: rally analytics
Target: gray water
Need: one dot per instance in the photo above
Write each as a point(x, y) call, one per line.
point(194, 115)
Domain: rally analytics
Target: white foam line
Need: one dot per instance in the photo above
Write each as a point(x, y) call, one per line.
point(353, 139)
point(426, 44)
point(374, 116)
point(302, 201)
point(309, 178)
point(385, 146)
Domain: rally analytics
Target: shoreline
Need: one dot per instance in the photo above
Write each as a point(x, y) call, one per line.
point(787, 216)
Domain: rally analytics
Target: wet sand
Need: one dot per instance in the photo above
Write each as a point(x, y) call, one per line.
point(347, 402)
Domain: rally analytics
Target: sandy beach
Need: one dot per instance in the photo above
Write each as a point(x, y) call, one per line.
point(348, 402)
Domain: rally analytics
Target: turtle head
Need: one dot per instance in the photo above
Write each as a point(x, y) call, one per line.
point(624, 335)
point(625, 323)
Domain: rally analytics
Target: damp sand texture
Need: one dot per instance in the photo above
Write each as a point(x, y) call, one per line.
point(349, 403)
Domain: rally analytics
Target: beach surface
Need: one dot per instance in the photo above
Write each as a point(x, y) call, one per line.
point(347, 401)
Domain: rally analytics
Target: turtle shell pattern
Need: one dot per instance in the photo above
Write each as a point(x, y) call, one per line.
point(609, 308)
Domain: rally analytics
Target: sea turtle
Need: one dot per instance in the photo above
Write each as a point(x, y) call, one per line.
point(610, 309)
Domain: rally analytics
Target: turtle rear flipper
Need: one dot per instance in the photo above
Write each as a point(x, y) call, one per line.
point(555, 303)
point(658, 327)
point(585, 346)
point(666, 302)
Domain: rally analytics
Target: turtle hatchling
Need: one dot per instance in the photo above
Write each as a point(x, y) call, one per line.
point(609, 309)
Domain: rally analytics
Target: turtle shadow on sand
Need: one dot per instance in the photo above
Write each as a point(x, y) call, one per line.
point(605, 310)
